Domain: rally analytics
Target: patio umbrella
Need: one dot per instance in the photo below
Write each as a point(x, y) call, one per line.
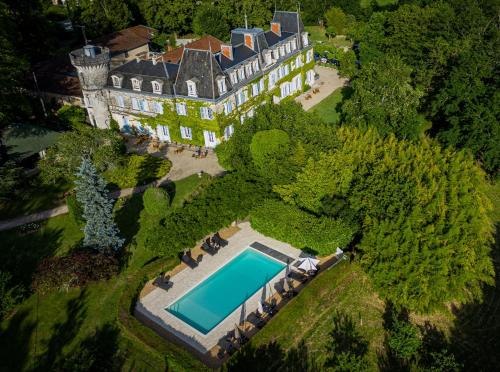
point(308, 264)
point(260, 308)
point(237, 334)
point(286, 287)
point(339, 251)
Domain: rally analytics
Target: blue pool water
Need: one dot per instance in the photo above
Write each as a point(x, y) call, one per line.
point(214, 299)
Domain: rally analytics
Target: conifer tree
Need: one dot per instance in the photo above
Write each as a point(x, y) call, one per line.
point(100, 230)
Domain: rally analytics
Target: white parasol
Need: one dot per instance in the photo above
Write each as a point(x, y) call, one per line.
point(309, 264)
point(260, 308)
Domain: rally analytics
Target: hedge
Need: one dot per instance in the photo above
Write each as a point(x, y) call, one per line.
point(229, 198)
point(290, 224)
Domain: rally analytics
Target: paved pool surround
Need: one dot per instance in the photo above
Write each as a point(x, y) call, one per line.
point(153, 305)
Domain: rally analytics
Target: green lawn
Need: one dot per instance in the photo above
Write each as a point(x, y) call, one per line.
point(317, 35)
point(329, 108)
point(53, 326)
point(308, 317)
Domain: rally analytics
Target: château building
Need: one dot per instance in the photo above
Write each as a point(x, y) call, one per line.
point(195, 94)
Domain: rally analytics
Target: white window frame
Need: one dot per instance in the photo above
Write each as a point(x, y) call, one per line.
point(294, 44)
point(191, 87)
point(255, 90)
point(269, 58)
point(117, 81)
point(181, 109)
point(276, 54)
point(305, 39)
point(135, 103)
point(186, 133)
point(156, 87)
point(282, 50)
point(298, 61)
point(228, 107)
point(158, 107)
point(228, 131)
point(261, 85)
point(136, 84)
point(120, 101)
point(206, 113)
point(288, 49)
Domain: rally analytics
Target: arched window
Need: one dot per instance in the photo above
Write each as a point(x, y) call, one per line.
point(136, 84)
point(117, 81)
point(156, 87)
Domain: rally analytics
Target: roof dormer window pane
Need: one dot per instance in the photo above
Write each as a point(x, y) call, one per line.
point(288, 48)
point(248, 69)
point(269, 58)
point(117, 81)
point(136, 84)
point(241, 74)
point(191, 85)
point(156, 87)
point(294, 44)
point(234, 78)
point(276, 54)
point(221, 83)
point(282, 50)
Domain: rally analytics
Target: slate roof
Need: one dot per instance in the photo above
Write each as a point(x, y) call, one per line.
point(240, 54)
point(290, 21)
point(148, 71)
point(273, 39)
point(124, 40)
point(201, 65)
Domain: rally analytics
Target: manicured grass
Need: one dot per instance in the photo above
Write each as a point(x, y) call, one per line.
point(329, 108)
point(318, 35)
point(186, 187)
point(53, 326)
point(308, 317)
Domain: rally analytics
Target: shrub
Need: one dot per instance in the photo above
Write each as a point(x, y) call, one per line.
point(302, 230)
point(114, 126)
point(138, 170)
point(73, 117)
point(156, 201)
point(404, 340)
point(75, 209)
point(227, 199)
point(74, 270)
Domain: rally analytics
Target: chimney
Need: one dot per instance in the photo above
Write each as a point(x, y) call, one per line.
point(276, 28)
point(227, 51)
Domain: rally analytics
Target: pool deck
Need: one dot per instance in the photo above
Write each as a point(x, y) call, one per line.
point(152, 306)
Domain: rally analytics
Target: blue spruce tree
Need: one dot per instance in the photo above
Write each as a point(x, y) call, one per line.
point(100, 230)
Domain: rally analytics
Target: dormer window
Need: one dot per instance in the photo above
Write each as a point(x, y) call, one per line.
point(268, 58)
point(255, 65)
point(276, 54)
point(117, 81)
point(241, 74)
point(191, 86)
point(305, 39)
point(221, 84)
point(233, 77)
point(288, 48)
point(294, 44)
point(282, 50)
point(157, 85)
point(136, 84)
point(248, 69)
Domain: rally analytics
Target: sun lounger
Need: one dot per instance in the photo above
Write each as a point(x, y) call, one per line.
point(208, 248)
point(217, 238)
point(188, 260)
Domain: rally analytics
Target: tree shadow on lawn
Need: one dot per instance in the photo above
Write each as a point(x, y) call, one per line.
point(64, 332)
point(16, 340)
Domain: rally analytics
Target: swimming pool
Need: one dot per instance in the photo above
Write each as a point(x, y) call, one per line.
point(219, 295)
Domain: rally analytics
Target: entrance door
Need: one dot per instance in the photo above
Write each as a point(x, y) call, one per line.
point(163, 133)
point(210, 139)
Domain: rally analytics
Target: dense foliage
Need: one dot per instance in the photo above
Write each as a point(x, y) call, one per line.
point(452, 50)
point(10, 179)
point(10, 294)
point(227, 199)
point(74, 270)
point(404, 340)
point(156, 201)
point(209, 20)
point(101, 232)
point(337, 21)
point(321, 235)
point(75, 209)
point(104, 147)
point(417, 203)
point(135, 170)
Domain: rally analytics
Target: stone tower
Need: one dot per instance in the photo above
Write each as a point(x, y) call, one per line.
point(92, 64)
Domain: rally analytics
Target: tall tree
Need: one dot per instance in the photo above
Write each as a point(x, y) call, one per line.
point(100, 230)
point(209, 20)
point(169, 15)
point(337, 21)
point(426, 230)
point(385, 99)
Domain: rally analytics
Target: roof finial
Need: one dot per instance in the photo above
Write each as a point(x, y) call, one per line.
point(246, 21)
